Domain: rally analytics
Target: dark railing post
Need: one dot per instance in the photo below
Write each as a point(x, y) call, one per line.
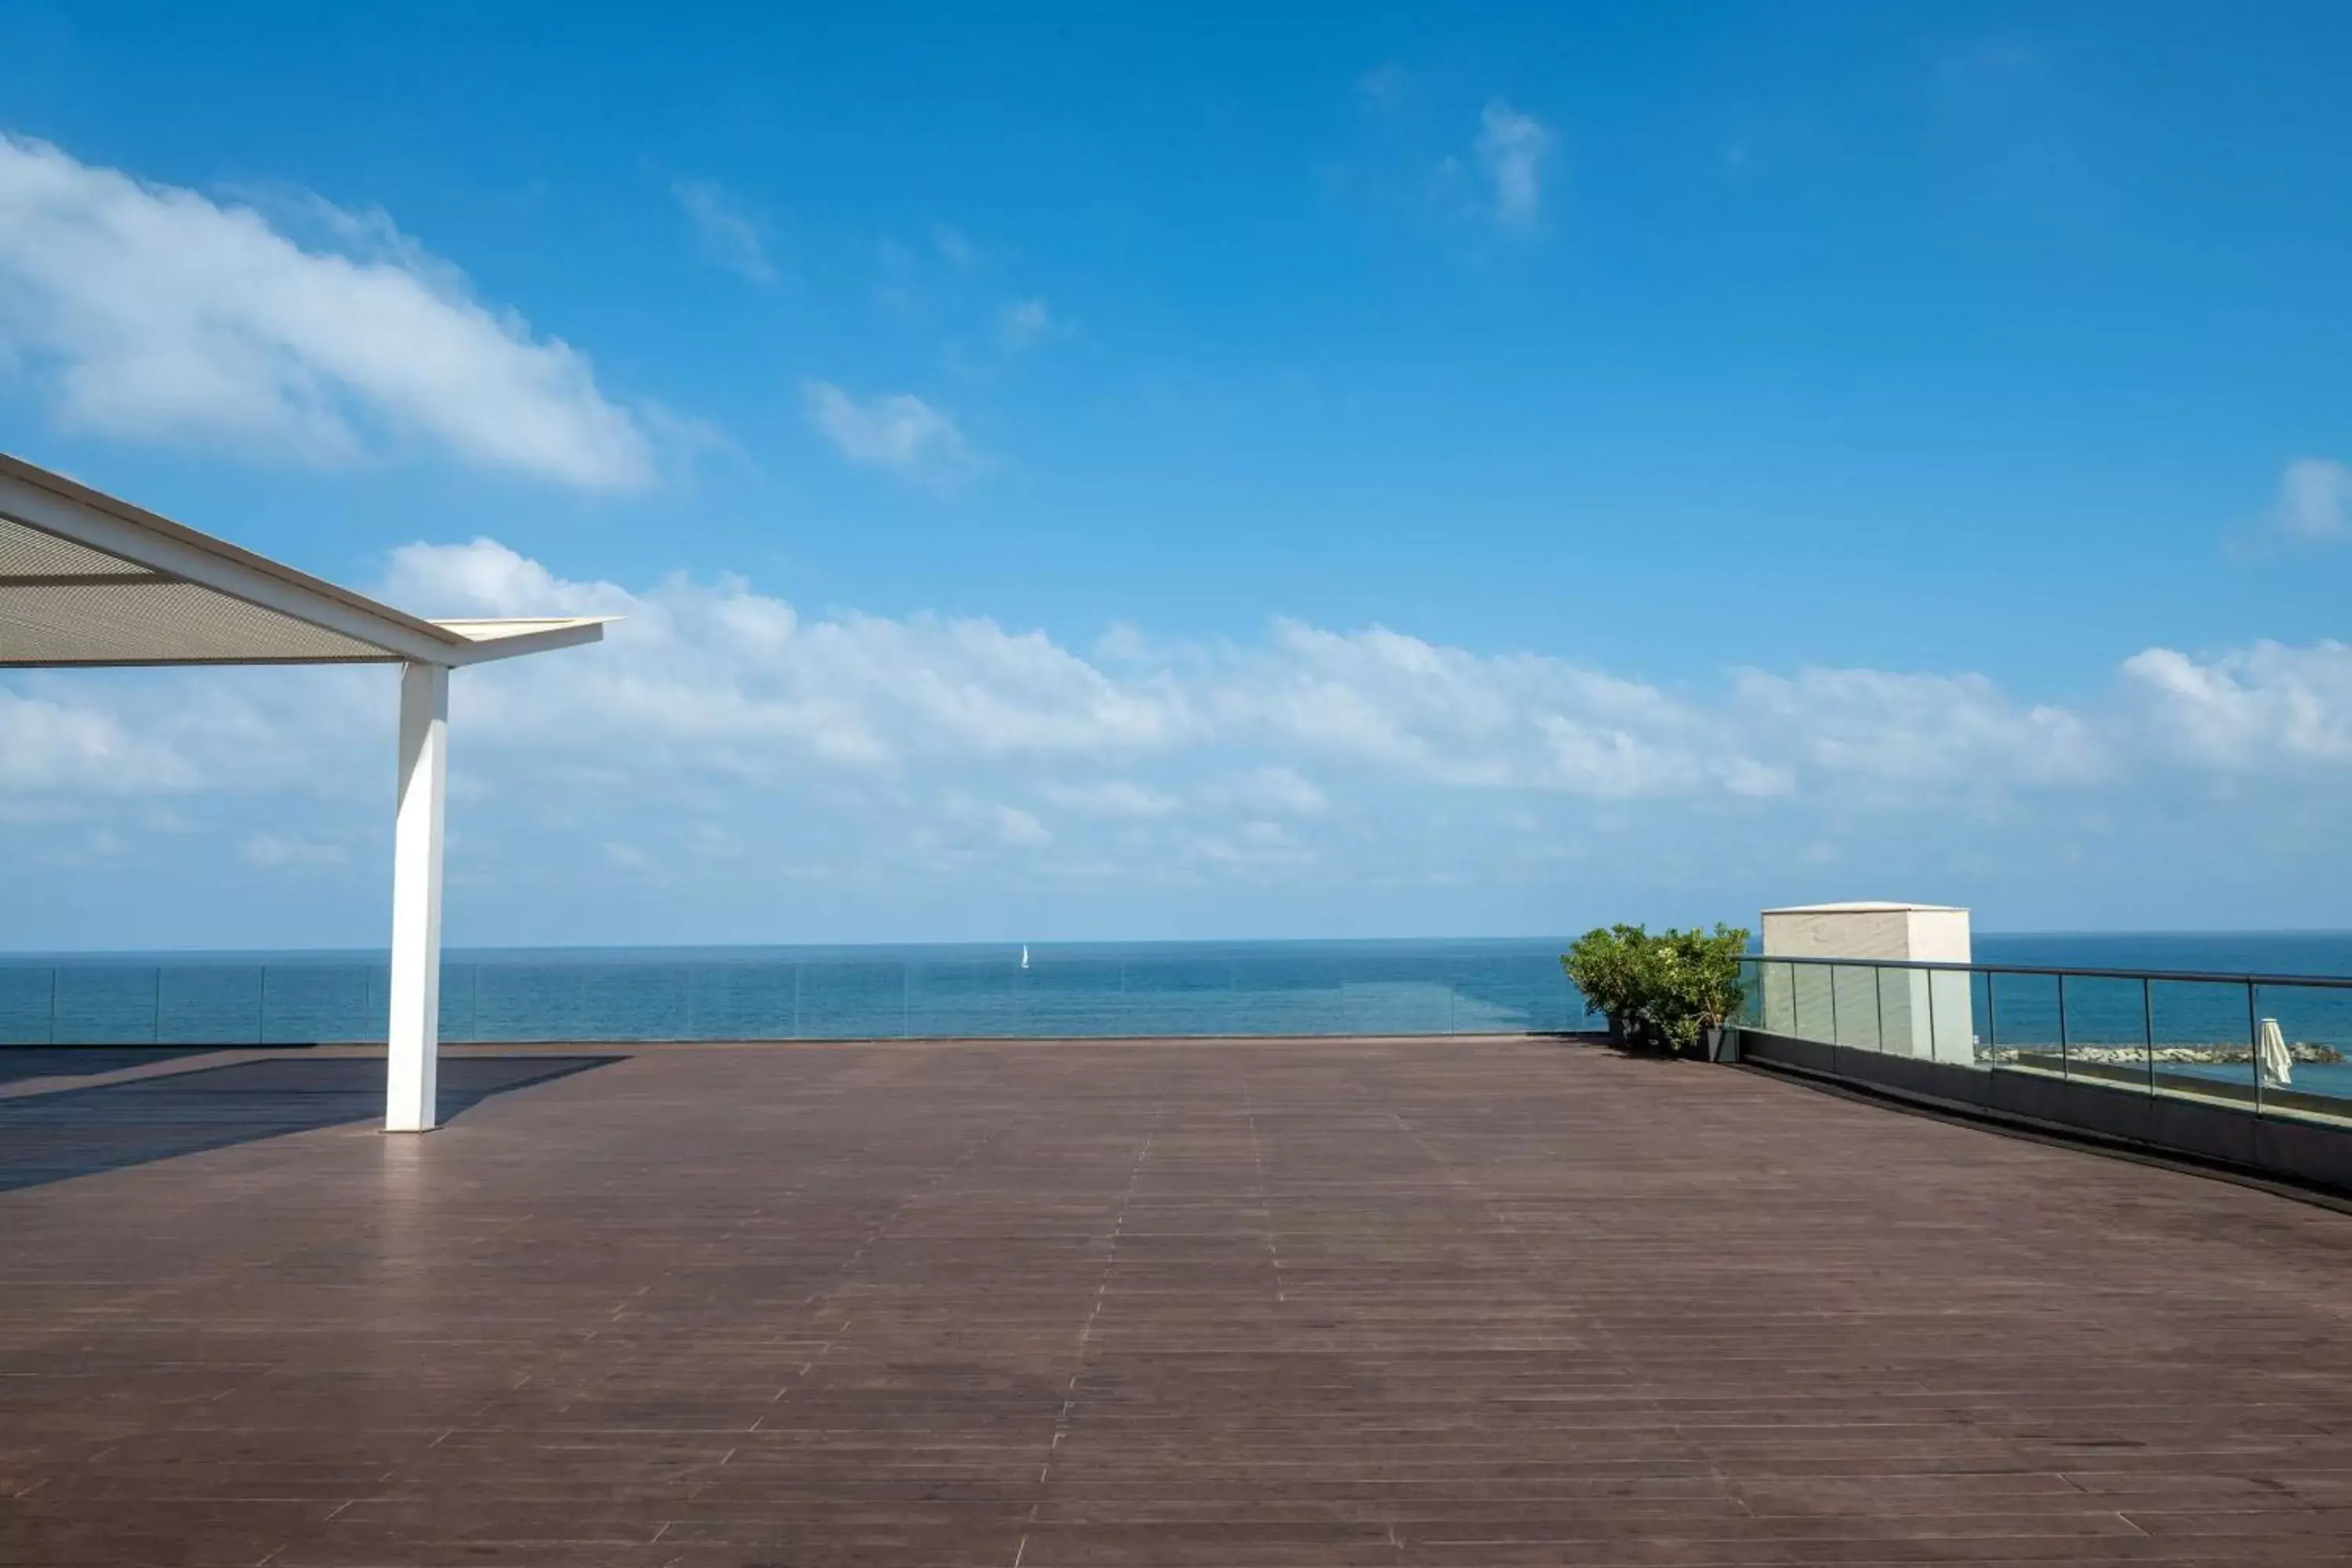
point(1878, 999)
point(2148, 1028)
point(1935, 1048)
point(2061, 1027)
point(1992, 1031)
point(1834, 1028)
point(2254, 1045)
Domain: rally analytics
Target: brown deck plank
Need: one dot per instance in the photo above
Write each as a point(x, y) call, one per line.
point(1488, 1303)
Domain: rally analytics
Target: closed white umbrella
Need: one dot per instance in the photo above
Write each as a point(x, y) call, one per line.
point(2277, 1062)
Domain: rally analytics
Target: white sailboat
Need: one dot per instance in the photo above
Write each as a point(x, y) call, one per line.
point(1024, 955)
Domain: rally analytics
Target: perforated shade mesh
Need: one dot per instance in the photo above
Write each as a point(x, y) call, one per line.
point(27, 554)
point(64, 603)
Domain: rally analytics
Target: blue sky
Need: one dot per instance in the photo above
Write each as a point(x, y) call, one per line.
point(1078, 472)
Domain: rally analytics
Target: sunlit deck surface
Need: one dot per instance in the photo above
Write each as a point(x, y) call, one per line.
point(1490, 1302)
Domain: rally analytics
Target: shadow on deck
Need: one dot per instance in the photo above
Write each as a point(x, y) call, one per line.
point(108, 1127)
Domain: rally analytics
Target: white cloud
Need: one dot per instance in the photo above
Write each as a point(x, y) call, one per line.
point(1020, 828)
point(998, 822)
point(1023, 323)
point(2248, 709)
point(274, 850)
point(1909, 730)
point(739, 672)
point(896, 431)
point(1114, 798)
point(1384, 89)
point(728, 237)
point(719, 733)
point(955, 247)
point(1457, 718)
point(1273, 790)
point(1513, 150)
point(150, 311)
point(2315, 503)
point(50, 745)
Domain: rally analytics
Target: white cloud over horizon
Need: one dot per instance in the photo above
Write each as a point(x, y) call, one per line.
point(151, 312)
point(757, 743)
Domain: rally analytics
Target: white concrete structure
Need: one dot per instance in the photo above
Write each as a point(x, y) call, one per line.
point(89, 580)
point(1912, 1013)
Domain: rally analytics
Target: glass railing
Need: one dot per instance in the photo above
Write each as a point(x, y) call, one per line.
point(2276, 1044)
point(1055, 996)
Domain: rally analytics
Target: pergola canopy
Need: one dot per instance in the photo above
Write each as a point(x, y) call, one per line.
point(89, 580)
point(86, 579)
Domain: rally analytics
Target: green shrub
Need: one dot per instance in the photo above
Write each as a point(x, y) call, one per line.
point(1666, 988)
point(1605, 965)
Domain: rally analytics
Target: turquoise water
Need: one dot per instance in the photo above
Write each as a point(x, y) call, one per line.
point(1420, 987)
point(776, 993)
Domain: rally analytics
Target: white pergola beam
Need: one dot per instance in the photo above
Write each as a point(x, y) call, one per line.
point(172, 551)
point(411, 1066)
point(182, 553)
point(161, 553)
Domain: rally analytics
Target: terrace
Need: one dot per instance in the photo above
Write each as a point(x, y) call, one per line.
point(1380, 1263)
point(1471, 1301)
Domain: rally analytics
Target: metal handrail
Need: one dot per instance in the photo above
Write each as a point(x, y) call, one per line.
point(2209, 977)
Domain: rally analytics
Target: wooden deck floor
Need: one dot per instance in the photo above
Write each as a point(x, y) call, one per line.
point(1073, 1306)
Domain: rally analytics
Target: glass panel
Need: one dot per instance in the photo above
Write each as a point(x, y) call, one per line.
point(460, 987)
point(2204, 1040)
point(1775, 1001)
point(2023, 1017)
point(740, 1001)
point(1901, 1011)
point(313, 1003)
point(1199, 996)
point(631, 1002)
point(853, 999)
point(1061, 997)
point(1943, 1010)
point(2107, 1031)
point(1396, 995)
point(25, 994)
point(1509, 993)
point(976, 998)
point(1813, 1001)
point(203, 1005)
point(2314, 1027)
point(1749, 1015)
point(101, 1004)
point(530, 1002)
point(1854, 1006)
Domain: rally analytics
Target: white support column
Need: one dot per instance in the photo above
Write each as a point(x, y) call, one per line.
point(416, 1034)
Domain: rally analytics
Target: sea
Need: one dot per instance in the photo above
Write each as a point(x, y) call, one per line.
point(1082, 989)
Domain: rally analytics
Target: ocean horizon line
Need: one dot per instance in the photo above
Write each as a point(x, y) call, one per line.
point(1103, 947)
